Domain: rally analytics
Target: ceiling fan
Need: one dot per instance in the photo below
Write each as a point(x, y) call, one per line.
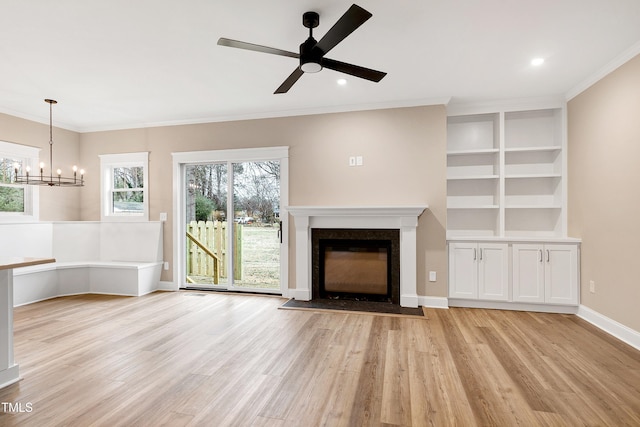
point(312, 52)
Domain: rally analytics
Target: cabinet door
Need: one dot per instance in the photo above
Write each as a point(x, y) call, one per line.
point(528, 273)
point(561, 274)
point(493, 271)
point(463, 270)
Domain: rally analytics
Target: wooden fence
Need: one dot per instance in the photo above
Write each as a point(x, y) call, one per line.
point(207, 250)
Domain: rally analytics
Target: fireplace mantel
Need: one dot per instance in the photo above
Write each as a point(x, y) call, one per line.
point(403, 218)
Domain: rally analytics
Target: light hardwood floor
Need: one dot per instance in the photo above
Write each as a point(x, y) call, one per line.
point(212, 359)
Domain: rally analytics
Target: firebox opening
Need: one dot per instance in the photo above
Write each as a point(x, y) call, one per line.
point(356, 264)
point(355, 269)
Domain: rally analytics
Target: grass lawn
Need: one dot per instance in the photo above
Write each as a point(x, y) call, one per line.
point(260, 259)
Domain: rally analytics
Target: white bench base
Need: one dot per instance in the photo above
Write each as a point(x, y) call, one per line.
point(47, 281)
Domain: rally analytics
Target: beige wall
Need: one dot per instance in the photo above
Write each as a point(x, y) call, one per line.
point(404, 153)
point(604, 192)
point(57, 203)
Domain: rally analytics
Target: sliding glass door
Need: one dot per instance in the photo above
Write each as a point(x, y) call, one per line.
point(233, 232)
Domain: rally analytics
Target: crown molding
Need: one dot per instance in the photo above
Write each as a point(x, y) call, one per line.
point(282, 113)
point(618, 61)
point(497, 105)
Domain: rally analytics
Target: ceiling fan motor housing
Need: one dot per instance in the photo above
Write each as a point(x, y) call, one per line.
point(310, 58)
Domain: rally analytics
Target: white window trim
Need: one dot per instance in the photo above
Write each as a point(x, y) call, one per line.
point(107, 163)
point(30, 155)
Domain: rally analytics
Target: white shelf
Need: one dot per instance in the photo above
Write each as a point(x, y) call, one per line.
point(533, 207)
point(532, 149)
point(512, 239)
point(533, 175)
point(474, 207)
point(473, 152)
point(472, 177)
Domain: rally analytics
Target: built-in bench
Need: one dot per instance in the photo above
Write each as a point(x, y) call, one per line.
point(120, 258)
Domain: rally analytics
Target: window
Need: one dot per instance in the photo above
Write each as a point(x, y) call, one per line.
point(124, 186)
point(17, 202)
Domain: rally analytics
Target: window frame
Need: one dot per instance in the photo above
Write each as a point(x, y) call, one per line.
point(29, 156)
point(109, 162)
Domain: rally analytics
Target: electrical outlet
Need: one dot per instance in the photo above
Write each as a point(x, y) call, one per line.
point(432, 276)
point(592, 286)
point(359, 161)
point(163, 216)
point(166, 265)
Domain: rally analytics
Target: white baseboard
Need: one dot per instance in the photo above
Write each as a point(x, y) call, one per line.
point(433, 302)
point(618, 330)
point(499, 305)
point(300, 294)
point(410, 300)
point(167, 286)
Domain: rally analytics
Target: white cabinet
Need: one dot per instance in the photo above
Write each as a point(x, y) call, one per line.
point(479, 271)
point(545, 273)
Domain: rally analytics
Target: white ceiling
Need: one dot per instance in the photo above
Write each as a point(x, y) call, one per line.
point(121, 63)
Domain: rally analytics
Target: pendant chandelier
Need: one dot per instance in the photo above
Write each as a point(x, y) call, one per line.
point(42, 178)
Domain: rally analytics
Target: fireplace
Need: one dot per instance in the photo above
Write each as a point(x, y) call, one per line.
point(402, 219)
point(356, 264)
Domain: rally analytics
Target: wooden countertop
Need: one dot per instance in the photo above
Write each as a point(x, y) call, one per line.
point(16, 261)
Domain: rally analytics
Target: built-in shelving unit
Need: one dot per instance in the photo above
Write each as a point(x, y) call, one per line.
point(506, 211)
point(505, 174)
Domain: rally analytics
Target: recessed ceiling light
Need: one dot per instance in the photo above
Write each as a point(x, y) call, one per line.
point(536, 62)
point(342, 82)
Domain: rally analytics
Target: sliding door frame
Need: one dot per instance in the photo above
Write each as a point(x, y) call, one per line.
point(182, 159)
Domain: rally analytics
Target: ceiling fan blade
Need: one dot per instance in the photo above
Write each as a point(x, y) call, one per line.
point(256, 47)
point(286, 85)
point(347, 24)
point(354, 70)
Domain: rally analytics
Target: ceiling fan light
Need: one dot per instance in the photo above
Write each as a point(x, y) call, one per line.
point(311, 67)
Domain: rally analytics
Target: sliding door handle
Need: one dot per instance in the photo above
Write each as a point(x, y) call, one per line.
point(280, 231)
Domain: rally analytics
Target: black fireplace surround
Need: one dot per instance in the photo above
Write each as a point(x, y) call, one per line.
point(373, 246)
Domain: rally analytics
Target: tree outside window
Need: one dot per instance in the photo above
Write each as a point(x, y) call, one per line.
point(128, 190)
point(11, 196)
